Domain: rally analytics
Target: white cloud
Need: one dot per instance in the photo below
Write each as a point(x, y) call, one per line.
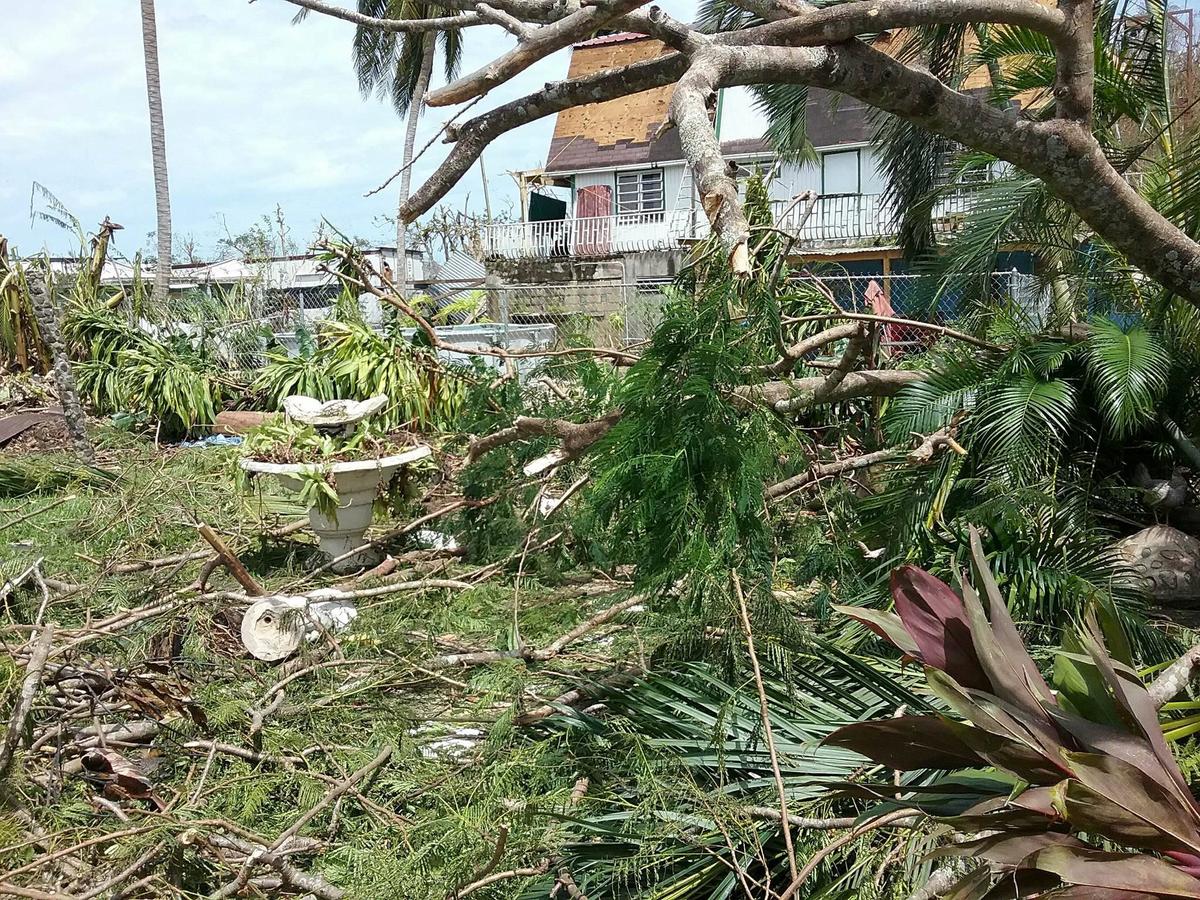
point(258, 111)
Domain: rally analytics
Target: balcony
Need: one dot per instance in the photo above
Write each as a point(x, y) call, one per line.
point(843, 220)
point(837, 220)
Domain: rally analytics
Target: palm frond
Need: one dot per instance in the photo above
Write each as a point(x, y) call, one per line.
point(785, 107)
point(1025, 417)
point(1128, 370)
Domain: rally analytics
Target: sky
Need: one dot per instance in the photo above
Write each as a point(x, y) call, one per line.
point(259, 113)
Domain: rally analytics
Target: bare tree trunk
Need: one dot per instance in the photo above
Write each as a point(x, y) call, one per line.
point(158, 151)
point(46, 313)
point(415, 108)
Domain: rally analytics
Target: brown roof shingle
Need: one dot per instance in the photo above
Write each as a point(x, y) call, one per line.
point(623, 132)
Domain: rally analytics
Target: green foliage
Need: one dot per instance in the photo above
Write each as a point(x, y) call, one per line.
point(304, 374)
point(351, 361)
point(20, 476)
point(1129, 371)
point(680, 479)
point(694, 739)
point(125, 369)
point(1050, 429)
point(1086, 772)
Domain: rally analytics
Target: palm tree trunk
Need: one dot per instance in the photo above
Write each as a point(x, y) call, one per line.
point(46, 313)
point(158, 151)
point(415, 108)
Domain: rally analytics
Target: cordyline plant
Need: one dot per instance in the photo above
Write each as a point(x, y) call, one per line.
point(1093, 803)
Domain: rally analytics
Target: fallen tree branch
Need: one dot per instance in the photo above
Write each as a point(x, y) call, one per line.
point(824, 470)
point(940, 881)
point(293, 876)
point(802, 348)
point(532, 654)
point(908, 323)
point(488, 867)
point(130, 568)
point(576, 437)
point(587, 691)
point(345, 786)
point(29, 688)
point(797, 394)
point(1175, 677)
point(931, 445)
point(803, 822)
point(528, 871)
point(765, 715)
point(832, 846)
point(232, 564)
point(854, 349)
point(20, 578)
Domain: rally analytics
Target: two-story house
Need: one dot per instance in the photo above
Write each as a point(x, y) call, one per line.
point(615, 200)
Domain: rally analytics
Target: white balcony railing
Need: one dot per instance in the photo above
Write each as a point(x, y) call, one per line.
point(837, 219)
point(840, 219)
point(595, 236)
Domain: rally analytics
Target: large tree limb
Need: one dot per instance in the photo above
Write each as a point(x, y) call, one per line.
point(798, 393)
point(802, 348)
point(576, 437)
point(539, 43)
point(1062, 153)
point(690, 112)
point(854, 349)
point(1075, 60)
point(840, 22)
point(472, 136)
point(803, 44)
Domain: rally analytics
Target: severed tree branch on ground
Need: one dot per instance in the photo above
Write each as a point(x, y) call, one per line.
point(825, 47)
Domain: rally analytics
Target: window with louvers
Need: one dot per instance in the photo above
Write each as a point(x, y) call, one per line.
point(640, 192)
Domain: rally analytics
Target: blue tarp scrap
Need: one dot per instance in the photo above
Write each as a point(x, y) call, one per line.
point(214, 440)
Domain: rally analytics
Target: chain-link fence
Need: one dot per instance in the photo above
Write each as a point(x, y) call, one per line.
point(610, 314)
point(614, 314)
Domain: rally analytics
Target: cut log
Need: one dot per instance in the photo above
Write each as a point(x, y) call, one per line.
point(231, 422)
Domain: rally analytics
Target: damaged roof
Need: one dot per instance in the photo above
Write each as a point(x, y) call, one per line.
point(628, 131)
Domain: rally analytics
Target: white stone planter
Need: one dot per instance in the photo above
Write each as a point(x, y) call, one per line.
point(357, 484)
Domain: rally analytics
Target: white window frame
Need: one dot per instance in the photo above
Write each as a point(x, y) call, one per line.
point(635, 192)
point(858, 158)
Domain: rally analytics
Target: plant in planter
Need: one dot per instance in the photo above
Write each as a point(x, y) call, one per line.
point(339, 463)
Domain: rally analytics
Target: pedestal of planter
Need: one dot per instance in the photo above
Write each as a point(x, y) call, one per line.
point(357, 484)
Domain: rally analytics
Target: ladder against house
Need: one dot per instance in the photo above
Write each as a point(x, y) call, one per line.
point(686, 216)
point(688, 221)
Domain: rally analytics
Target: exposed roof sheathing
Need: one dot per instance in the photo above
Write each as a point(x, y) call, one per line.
point(624, 132)
point(617, 132)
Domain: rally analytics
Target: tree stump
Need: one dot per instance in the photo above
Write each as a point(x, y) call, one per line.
point(46, 313)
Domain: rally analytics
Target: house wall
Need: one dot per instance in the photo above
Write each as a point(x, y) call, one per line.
point(794, 178)
point(672, 178)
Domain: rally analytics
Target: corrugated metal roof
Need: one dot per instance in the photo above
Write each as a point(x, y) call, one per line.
point(459, 266)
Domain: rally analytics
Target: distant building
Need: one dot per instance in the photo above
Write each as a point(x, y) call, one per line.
point(298, 281)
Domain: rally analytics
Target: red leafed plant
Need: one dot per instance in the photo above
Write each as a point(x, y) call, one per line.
point(1089, 801)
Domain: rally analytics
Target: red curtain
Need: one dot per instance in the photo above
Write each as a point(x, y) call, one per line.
point(593, 225)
